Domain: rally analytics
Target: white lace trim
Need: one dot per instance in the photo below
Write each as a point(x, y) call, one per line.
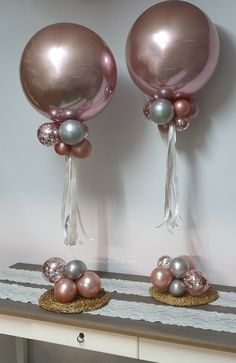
point(226, 299)
point(137, 310)
point(24, 276)
point(126, 287)
point(169, 315)
point(20, 293)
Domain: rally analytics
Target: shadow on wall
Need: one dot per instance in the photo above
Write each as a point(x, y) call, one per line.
point(116, 135)
point(197, 140)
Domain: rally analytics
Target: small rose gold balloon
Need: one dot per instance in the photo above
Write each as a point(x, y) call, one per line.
point(82, 150)
point(88, 285)
point(161, 278)
point(182, 107)
point(62, 149)
point(163, 128)
point(194, 110)
point(65, 290)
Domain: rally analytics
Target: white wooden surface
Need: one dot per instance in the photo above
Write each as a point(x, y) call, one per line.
point(116, 344)
point(95, 340)
point(164, 352)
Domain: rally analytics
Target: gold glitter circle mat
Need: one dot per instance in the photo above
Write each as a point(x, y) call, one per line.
point(78, 305)
point(186, 300)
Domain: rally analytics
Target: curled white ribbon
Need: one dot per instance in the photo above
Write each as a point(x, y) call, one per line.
point(171, 207)
point(72, 223)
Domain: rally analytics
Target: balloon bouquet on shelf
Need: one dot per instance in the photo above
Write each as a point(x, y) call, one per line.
point(178, 282)
point(68, 74)
point(172, 51)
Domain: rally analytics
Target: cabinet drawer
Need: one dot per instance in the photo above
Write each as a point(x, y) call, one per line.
point(86, 338)
point(14, 326)
point(164, 352)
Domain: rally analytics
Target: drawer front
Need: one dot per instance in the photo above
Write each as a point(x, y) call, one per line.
point(86, 339)
point(14, 326)
point(163, 352)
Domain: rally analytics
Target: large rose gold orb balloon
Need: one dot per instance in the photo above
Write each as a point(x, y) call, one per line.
point(173, 46)
point(65, 290)
point(161, 278)
point(67, 71)
point(89, 284)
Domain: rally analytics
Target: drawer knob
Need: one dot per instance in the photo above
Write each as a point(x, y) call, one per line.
point(80, 338)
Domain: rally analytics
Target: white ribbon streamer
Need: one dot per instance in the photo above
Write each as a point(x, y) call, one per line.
point(72, 223)
point(171, 207)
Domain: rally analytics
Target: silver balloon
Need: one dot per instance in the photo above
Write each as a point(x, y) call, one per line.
point(75, 269)
point(161, 111)
point(179, 266)
point(53, 269)
point(72, 132)
point(177, 288)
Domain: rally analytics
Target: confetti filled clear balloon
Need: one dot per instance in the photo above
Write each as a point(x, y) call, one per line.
point(53, 269)
point(181, 123)
point(164, 261)
point(48, 133)
point(195, 282)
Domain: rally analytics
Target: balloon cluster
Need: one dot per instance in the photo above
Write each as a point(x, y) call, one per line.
point(71, 279)
point(163, 111)
point(170, 60)
point(68, 137)
point(178, 276)
point(68, 73)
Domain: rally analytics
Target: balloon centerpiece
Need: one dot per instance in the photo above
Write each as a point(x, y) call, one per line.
point(178, 282)
point(68, 74)
point(170, 59)
point(75, 288)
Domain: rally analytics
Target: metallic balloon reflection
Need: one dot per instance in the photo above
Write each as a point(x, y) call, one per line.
point(68, 71)
point(172, 46)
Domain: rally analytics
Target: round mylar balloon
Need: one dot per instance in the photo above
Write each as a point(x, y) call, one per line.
point(172, 50)
point(68, 72)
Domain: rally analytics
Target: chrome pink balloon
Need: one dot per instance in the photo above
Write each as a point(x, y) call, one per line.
point(67, 71)
point(65, 290)
point(173, 47)
point(82, 150)
point(161, 278)
point(89, 284)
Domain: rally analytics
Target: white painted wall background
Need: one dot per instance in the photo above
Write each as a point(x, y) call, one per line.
point(122, 183)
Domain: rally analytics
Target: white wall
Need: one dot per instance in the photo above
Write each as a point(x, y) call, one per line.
point(122, 183)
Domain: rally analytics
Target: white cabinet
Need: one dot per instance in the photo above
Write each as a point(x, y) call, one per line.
point(164, 352)
point(96, 340)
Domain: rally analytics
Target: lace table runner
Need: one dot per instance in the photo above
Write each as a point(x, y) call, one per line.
point(134, 310)
point(226, 299)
